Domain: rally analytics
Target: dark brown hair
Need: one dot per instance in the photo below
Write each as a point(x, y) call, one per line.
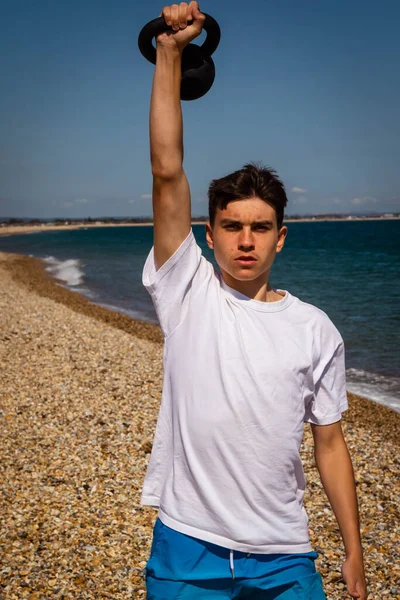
point(252, 181)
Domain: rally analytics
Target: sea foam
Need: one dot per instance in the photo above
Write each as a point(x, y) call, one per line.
point(69, 271)
point(382, 389)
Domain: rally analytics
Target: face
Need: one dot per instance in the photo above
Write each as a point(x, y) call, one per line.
point(245, 240)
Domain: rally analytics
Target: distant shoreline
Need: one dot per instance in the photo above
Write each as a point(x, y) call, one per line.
point(6, 229)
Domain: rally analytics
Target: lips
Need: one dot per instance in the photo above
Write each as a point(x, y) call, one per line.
point(246, 260)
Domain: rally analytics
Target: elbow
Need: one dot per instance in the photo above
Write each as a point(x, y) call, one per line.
point(166, 165)
point(336, 452)
point(166, 172)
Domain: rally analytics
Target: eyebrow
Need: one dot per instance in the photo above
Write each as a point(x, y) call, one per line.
point(235, 222)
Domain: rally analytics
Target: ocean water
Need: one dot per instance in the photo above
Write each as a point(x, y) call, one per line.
point(349, 269)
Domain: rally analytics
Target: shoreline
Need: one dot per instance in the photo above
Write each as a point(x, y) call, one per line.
point(81, 390)
point(25, 229)
point(31, 272)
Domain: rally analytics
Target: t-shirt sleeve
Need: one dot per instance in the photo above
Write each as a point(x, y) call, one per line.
point(330, 397)
point(172, 286)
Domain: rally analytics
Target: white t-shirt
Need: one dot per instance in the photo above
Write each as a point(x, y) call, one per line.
point(240, 378)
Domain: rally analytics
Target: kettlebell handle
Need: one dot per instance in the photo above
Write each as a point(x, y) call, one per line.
point(158, 26)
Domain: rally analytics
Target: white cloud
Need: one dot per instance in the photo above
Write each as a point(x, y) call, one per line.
point(362, 201)
point(76, 201)
point(146, 196)
point(337, 201)
point(132, 201)
point(298, 190)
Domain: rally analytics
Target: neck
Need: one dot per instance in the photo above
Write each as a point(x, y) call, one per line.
point(256, 289)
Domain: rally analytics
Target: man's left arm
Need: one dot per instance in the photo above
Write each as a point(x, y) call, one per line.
point(336, 471)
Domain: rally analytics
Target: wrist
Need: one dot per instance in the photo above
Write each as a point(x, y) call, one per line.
point(355, 553)
point(168, 50)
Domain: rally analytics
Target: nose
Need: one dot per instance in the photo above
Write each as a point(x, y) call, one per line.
point(246, 239)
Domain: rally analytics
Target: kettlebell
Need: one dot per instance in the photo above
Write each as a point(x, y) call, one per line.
point(198, 69)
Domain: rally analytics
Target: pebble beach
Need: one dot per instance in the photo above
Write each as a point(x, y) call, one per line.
point(79, 397)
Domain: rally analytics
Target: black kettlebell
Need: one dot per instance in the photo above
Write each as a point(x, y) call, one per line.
point(198, 69)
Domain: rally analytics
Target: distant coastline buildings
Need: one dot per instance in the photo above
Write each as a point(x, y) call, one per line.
point(27, 222)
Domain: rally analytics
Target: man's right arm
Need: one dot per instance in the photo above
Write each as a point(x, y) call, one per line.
point(171, 192)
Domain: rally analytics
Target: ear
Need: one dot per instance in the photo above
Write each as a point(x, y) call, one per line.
point(209, 236)
point(282, 233)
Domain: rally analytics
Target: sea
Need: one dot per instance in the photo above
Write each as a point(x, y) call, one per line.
point(349, 269)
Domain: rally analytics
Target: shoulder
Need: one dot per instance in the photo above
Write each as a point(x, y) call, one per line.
point(323, 328)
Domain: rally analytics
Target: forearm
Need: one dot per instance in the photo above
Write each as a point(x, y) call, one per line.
point(166, 124)
point(337, 476)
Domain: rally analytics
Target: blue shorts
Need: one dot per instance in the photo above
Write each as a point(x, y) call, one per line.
point(182, 567)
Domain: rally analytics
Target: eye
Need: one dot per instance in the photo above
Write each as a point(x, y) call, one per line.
point(231, 226)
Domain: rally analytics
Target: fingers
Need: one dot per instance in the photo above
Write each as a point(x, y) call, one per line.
point(197, 16)
point(175, 17)
point(357, 589)
point(166, 13)
point(183, 15)
point(178, 16)
point(195, 10)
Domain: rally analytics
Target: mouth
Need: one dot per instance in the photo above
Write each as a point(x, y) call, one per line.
point(246, 260)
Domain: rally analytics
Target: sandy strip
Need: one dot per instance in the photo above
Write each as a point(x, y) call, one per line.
point(79, 396)
point(18, 229)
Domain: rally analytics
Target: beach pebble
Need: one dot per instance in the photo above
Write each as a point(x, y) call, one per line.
point(80, 393)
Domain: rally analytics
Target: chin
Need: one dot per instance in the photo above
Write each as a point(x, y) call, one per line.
point(243, 274)
point(246, 276)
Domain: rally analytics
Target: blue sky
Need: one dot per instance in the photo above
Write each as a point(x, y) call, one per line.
point(311, 88)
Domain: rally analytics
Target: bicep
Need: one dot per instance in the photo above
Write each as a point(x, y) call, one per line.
point(172, 215)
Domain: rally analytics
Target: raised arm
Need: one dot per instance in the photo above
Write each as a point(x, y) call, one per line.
point(171, 192)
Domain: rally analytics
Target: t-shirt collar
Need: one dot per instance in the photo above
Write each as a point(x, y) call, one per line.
point(256, 304)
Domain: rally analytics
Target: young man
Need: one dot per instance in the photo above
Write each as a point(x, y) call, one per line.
point(245, 366)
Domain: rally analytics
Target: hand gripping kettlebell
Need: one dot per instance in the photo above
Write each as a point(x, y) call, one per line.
point(198, 69)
